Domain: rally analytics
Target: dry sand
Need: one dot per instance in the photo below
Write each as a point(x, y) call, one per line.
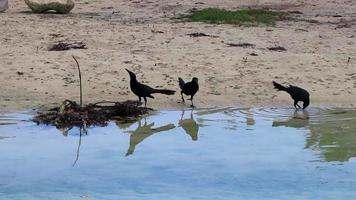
point(126, 34)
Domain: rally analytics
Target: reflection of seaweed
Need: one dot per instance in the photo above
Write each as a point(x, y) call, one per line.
point(144, 131)
point(336, 138)
point(190, 126)
point(299, 120)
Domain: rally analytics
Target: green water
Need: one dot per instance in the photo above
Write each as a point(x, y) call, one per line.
point(218, 153)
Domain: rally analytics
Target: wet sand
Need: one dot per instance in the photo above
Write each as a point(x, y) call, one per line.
point(139, 35)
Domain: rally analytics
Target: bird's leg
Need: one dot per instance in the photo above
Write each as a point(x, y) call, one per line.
point(296, 105)
point(181, 93)
point(138, 101)
point(144, 98)
point(181, 117)
point(191, 99)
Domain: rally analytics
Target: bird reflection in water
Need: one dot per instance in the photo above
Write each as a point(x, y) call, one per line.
point(250, 121)
point(190, 126)
point(144, 131)
point(300, 119)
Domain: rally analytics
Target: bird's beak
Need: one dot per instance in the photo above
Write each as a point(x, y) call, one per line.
point(132, 75)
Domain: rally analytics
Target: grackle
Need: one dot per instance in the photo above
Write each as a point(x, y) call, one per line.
point(297, 94)
point(144, 91)
point(189, 88)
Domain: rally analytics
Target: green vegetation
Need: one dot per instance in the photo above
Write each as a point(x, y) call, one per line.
point(245, 17)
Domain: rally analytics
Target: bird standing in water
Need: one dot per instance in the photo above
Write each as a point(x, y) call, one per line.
point(297, 94)
point(142, 90)
point(189, 88)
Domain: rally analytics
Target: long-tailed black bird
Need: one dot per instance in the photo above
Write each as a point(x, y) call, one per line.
point(297, 94)
point(189, 88)
point(144, 91)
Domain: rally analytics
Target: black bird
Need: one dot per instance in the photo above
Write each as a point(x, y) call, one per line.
point(297, 94)
point(190, 88)
point(144, 91)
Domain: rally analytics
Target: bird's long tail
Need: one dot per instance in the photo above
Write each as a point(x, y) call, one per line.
point(164, 91)
point(181, 83)
point(279, 86)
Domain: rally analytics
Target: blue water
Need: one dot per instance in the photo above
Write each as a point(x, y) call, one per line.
point(204, 154)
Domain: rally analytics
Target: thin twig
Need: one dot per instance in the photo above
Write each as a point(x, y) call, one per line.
point(80, 83)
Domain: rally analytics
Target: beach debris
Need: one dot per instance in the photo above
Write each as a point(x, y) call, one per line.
point(55, 35)
point(244, 45)
point(200, 34)
point(295, 12)
point(253, 54)
point(153, 30)
point(343, 25)
point(277, 48)
point(156, 31)
point(70, 114)
point(63, 46)
point(244, 59)
point(4, 5)
point(20, 73)
point(301, 30)
point(42, 6)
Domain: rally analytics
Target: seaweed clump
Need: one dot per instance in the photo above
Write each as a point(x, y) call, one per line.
point(70, 114)
point(63, 46)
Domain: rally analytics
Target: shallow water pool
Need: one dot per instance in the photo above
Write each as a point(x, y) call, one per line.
point(218, 153)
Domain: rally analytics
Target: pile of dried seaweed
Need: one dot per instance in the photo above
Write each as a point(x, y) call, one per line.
point(70, 114)
point(63, 46)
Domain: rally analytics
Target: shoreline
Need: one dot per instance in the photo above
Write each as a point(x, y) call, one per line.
point(34, 109)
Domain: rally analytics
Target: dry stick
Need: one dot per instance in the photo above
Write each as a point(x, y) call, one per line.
point(80, 83)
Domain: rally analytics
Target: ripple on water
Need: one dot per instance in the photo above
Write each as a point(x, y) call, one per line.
point(6, 120)
point(330, 131)
point(13, 119)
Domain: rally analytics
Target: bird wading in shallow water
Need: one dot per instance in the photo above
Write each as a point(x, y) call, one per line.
point(144, 91)
point(297, 94)
point(189, 88)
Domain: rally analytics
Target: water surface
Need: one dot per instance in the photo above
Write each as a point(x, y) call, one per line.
point(222, 153)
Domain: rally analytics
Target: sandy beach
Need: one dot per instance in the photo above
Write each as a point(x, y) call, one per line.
point(140, 35)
